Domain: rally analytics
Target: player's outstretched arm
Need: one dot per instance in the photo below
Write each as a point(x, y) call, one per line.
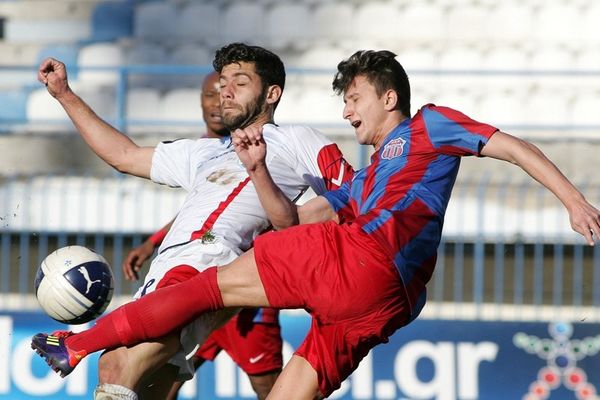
point(112, 146)
point(252, 150)
point(584, 217)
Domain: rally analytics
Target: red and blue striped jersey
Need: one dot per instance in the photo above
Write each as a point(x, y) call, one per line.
point(400, 198)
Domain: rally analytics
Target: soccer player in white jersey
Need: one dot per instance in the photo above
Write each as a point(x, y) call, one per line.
point(220, 216)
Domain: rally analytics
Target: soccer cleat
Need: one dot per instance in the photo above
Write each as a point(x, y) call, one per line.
point(56, 353)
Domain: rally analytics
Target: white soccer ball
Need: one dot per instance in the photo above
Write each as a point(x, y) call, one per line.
point(74, 285)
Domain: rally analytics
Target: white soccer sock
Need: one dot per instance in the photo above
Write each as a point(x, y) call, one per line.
point(108, 391)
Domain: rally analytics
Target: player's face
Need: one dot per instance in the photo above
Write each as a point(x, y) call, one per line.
point(365, 111)
point(242, 95)
point(211, 106)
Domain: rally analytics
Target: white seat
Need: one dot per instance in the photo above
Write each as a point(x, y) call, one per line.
point(460, 58)
point(181, 105)
point(320, 105)
point(552, 58)
point(322, 57)
point(289, 25)
point(41, 106)
point(505, 57)
point(378, 22)
point(588, 25)
point(547, 107)
point(199, 22)
point(143, 104)
point(513, 19)
point(245, 21)
point(501, 108)
point(588, 59)
point(332, 22)
point(418, 58)
point(422, 22)
point(46, 31)
point(557, 23)
point(468, 23)
point(100, 55)
point(585, 109)
point(155, 20)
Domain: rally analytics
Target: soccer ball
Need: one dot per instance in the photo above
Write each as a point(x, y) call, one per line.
point(74, 285)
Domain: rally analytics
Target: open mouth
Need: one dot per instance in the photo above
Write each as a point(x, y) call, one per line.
point(355, 124)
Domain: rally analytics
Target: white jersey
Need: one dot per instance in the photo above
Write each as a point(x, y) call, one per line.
point(222, 203)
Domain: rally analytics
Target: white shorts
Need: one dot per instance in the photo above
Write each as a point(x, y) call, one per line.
point(199, 256)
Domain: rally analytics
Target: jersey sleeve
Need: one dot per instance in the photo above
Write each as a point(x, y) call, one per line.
point(319, 161)
point(171, 163)
point(452, 132)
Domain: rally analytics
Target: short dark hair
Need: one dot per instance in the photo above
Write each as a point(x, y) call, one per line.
point(381, 69)
point(268, 64)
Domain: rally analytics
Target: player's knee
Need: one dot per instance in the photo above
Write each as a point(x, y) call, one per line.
point(262, 384)
point(111, 366)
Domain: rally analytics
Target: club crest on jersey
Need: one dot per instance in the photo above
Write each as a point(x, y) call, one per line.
point(394, 148)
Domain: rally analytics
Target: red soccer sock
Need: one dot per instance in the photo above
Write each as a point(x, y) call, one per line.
point(153, 315)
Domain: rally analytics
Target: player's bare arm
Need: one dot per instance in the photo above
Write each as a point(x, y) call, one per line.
point(115, 148)
point(584, 217)
point(252, 150)
point(316, 210)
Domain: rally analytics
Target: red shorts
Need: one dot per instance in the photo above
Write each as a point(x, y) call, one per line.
point(345, 281)
point(254, 346)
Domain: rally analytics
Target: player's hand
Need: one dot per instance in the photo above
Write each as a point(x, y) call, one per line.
point(135, 259)
point(250, 147)
point(53, 74)
point(585, 219)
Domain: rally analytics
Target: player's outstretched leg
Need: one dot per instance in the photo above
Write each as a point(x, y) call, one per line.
point(56, 353)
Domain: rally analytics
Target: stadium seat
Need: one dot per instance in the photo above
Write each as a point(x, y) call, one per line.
point(13, 106)
point(418, 58)
point(41, 106)
point(245, 22)
point(546, 106)
point(112, 20)
point(321, 106)
point(144, 52)
point(155, 21)
point(514, 18)
point(588, 58)
point(422, 22)
point(502, 108)
point(557, 23)
point(191, 54)
point(552, 57)
point(341, 32)
point(289, 24)
point(46, 31)
point(585, 109)
point(378, 23)
point(66, 53)
point(589, 33)
point(461, 58)
point(199, 22)
point(100, 55)
point(468, 23)
point(181, 105)
point(143, 104)
point(322, 57)
point(505, 57)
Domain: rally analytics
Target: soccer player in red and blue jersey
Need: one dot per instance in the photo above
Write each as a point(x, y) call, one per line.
point(362, 274)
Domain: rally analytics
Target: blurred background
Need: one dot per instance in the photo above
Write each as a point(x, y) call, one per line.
point(508, 258)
